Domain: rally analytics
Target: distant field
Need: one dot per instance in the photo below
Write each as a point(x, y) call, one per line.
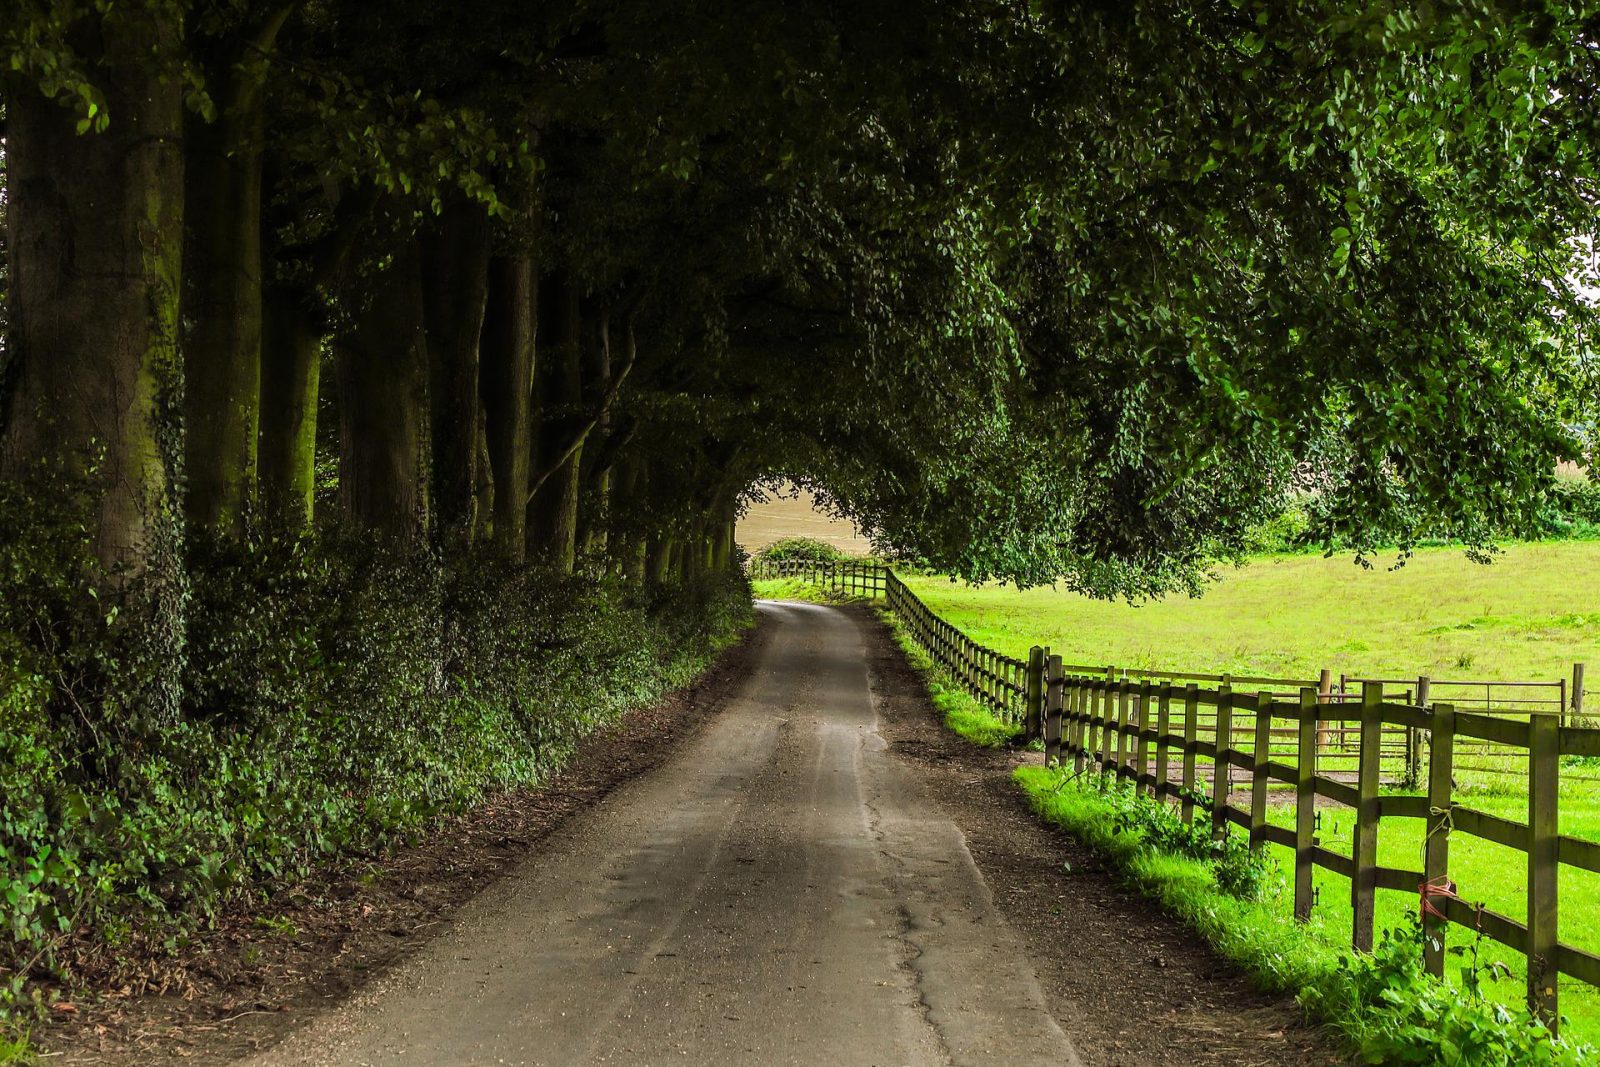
point(777, 519)
point(1528, 616)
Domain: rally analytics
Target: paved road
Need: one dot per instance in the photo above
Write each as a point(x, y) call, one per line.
point(782, 892)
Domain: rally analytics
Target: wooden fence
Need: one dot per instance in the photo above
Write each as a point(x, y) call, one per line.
point(1201, 746)
point(841, 576)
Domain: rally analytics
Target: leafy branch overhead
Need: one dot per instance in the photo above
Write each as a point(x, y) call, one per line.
point(1047, 291)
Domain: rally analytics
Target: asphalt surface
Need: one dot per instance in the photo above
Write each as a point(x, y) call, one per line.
point(780, 892)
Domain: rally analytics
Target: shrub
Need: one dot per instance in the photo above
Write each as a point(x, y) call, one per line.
point(333, 695)
point(808, 549)
point(1572, 508)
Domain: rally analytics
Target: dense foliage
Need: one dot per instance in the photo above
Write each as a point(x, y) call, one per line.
point(334, 694)
point(809, 549)
point(1034, 291)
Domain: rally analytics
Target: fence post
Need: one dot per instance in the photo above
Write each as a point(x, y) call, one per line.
point(1324, 696)
point(1035, 688)
point(1258, 774)
point(1124, 697)
point(1079, 695)
point(1436, 856)
point(1305, 801)
point(1364, 886)
point(1089, 706)
point(1141, 744)
point(1191, 712)
point(1544, 791)
point(1414, 768)
point(1052, 711)
point(1221, 768)
point(1577, 695)
point(1163, 744)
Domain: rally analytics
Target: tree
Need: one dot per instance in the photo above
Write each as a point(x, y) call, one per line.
point(92, 383)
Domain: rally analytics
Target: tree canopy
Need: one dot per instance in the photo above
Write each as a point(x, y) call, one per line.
point(1034, 291)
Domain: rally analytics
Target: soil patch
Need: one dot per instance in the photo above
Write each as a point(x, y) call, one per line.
point(1128, 982)
point(265, 969)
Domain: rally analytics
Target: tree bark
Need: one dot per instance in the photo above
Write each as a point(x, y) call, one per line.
point(291, 375)
point(507, 386)
point(628, 543)
point(553, 521)
point(92, 381)
point(222, 296)
point(483, 487)
point(595, 477)
point(383, 406)
point(659, 555)
point(455, 280)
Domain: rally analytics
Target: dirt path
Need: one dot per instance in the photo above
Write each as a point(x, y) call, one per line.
point(818, 874)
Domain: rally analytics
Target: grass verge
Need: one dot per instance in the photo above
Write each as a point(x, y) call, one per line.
point(802, 590)
point(15, 1049)
point(961, 713)
point(1382, 1006)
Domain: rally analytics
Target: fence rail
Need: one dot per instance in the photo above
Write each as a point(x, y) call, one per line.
point(1182, 742)
point(841, 576)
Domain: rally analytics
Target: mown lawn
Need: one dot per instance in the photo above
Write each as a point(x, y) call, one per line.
point(1528, 616)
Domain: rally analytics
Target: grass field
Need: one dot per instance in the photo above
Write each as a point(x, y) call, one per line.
point(1528, 616)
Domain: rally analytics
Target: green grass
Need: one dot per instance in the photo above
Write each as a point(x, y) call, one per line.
point(15, 1050)
point(963, 715)
point(1383, 1008)
point(800, 589)
point(1528, 616)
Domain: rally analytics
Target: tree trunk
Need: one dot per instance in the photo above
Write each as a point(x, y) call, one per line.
point(628, 543)
point(291, 375)
point(383, 406)
point(659, 558)
point(596, 470)
point(455, 279)
point(222, 301)
point(91, 381)
point(722, 546)
point(483, 488)
point(553, 523)
point(222, 296)
point(507, 386)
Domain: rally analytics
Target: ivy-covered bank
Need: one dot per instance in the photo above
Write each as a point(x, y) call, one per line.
point(326, 696)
